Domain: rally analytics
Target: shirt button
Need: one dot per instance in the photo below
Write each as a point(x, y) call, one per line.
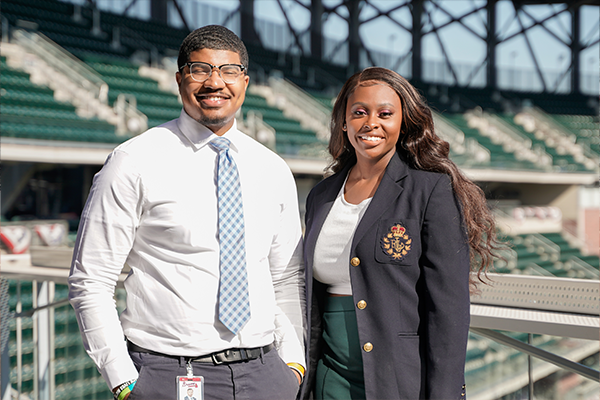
point(368, 347)
point(361, 304)
point(355, 262)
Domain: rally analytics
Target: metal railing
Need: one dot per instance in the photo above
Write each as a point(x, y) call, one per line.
point(130, 119)
point(299, 105)
point(458, 143)
point(61, 60)
point(254, 126)
point(535, 120)
point(511, 140)
point(581, 266)
point(556, 308)
point(534, 305)
point(542, 244)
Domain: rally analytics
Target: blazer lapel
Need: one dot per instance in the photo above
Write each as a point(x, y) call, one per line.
point(388, 191)
point(322, 206)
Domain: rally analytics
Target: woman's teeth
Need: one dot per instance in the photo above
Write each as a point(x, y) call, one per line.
point(371, 138)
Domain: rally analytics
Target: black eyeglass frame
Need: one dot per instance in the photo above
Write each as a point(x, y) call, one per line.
point(212, 68)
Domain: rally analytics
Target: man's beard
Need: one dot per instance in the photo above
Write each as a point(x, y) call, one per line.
point(214, 121)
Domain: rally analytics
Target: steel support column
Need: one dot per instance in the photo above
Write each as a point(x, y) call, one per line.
point(417, 33)
point(491, 42)
point(316, 29)
point(247, 22)
point(354, 44)
point(158, 11)
point(575, 48)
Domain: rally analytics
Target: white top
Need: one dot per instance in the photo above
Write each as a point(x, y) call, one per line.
point(154, 206)
point(332, 251)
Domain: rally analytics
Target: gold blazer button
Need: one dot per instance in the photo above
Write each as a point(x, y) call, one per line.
point(361, 305)
point(368, 347)
point(355, 262)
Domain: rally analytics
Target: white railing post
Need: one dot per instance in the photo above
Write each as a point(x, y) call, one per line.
point(130, 119)
point(458, 143)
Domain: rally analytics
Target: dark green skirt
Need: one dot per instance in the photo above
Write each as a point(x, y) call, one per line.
point(340, 369)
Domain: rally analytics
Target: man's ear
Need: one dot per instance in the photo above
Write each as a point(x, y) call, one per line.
point(178, 78)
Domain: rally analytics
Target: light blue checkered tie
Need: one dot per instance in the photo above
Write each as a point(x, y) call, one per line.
point(234, 304)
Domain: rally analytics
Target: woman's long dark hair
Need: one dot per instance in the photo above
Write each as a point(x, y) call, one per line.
point(424, 150)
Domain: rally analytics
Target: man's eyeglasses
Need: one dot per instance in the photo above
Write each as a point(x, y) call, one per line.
point(201, 71)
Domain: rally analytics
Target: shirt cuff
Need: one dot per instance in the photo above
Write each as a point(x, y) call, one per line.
point(118, 371)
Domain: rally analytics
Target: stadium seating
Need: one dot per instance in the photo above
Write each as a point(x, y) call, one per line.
point(584, 127)
point(123, 77)
point(548, 254)
point(500, 159)
point(560, 162)
point(29, 111)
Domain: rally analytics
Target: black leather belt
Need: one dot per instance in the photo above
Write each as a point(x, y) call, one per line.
point(220, 357)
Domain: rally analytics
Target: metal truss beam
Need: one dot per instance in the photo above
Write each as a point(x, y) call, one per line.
point(423, 24)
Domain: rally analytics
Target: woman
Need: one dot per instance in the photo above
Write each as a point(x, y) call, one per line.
point(390, 238)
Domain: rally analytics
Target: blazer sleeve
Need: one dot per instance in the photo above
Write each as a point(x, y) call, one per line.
point(445, 266)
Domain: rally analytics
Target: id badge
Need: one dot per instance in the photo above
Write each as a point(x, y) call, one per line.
point(190, 388)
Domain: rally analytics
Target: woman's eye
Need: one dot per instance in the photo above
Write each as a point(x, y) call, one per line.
point(385, 114)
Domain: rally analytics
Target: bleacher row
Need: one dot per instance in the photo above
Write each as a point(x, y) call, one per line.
point(548, 254)
point(58, 21)
point(30, 111)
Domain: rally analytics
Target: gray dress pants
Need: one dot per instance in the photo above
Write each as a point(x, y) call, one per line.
point(264, 378)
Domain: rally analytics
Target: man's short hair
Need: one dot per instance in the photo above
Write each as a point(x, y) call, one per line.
point(214, 37)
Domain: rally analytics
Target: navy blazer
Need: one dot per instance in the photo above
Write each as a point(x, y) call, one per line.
point(409, 262)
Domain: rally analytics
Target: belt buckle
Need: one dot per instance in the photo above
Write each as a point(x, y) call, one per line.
point(217, 360)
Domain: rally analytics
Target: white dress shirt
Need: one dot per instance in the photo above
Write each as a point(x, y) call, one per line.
point(154, 206)
point(332, 250)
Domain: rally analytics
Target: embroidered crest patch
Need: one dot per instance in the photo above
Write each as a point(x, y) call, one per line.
point(396, 243)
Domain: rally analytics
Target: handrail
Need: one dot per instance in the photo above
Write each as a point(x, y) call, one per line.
point(254, 126)
point(130, 120)
point(300, 105)
point(508, 130)
point(457, 140)
point(61, 60)
point(534, 119)
point(537, 269)
point(517, 295)
point(74, 81)
point(512, 140)
point(542, 243)
point(539, 353)
point(29, 313)
point(581, 265)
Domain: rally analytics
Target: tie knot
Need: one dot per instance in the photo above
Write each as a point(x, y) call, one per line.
point(220, 144)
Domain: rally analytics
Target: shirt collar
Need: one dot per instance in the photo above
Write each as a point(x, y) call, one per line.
point(199, 135)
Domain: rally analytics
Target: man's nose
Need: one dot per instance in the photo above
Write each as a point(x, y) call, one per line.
point(215, 80)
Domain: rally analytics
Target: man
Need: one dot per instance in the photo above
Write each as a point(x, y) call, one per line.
point(190, 395)
point(207, 220)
